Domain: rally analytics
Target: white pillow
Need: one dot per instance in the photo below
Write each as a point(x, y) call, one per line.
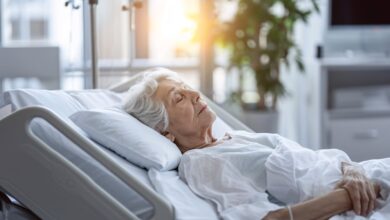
point(220, 128)
point(122, 133)
point(58, 101)
point(96, 98)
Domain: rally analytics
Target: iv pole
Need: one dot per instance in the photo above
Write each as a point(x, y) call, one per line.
point(94, 52)
point(92, 6)
point(94, 56)
point(95, 69)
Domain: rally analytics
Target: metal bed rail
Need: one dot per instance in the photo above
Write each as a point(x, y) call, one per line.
point(29, 166)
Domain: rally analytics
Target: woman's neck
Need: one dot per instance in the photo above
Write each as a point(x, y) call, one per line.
point(202, 141)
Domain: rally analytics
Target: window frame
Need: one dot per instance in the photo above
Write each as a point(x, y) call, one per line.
point(133, 65)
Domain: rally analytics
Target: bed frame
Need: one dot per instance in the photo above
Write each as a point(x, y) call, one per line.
point(54, 188)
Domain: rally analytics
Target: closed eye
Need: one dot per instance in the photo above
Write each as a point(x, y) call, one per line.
point(179, 98)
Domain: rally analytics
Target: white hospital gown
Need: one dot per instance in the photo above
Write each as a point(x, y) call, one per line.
point(232, 174)
point(235, 174)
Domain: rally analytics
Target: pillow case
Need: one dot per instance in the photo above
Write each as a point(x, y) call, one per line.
point(220, 128)
point(96, 98)
point(58, 101)
point(128, 137)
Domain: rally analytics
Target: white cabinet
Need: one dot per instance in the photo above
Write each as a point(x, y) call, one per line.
point(361, 138)
point(355, 107)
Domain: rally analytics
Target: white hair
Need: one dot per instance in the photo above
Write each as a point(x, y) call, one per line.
point(139, 101)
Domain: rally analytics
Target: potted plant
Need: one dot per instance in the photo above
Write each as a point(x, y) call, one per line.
point(259, 39)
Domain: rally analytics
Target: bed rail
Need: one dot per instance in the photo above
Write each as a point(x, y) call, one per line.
point(36, 166)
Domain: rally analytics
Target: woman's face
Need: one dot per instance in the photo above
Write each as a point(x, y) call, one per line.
point(188, 114)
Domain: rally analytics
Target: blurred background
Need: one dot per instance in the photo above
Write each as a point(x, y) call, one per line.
point(315, 71)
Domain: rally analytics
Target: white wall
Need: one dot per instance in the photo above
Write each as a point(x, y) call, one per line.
point(299, 112)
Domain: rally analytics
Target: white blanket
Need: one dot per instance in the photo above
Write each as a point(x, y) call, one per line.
point(295, 174)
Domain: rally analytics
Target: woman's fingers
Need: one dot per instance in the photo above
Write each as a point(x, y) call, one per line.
point(363, 196)
point(377, 190)
point(368, 197)
point(365, 199)
point(362, 191)
point(372, 196)
point(355, 197)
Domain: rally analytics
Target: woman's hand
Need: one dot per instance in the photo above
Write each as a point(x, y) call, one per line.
point(361, 190)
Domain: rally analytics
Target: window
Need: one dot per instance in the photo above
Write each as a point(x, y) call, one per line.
point(25, 21)
point(42, 23)
point(165, 36)
point(160, 33)
point(157, 34)
point(172, 26)
point(38, 29)
point(15, 29)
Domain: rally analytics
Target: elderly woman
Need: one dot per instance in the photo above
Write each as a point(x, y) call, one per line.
point(232, 171)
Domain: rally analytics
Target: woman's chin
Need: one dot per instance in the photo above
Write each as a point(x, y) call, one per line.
point(209, 116)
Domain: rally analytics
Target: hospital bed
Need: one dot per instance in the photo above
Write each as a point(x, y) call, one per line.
point(51, 167)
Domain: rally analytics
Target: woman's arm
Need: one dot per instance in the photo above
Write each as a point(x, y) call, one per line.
point(323, 207)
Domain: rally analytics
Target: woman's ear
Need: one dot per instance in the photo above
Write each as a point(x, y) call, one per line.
point(168, 135)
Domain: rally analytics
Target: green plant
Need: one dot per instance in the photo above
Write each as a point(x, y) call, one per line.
point(259, 40)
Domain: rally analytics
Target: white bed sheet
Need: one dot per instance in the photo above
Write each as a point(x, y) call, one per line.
point(187, 205)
